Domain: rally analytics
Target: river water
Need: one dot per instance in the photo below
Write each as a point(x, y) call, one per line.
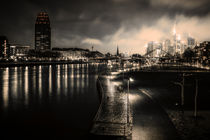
point(55, 101)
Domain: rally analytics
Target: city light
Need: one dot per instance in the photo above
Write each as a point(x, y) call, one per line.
point(131, 79)
point(179, 37)
point(105, 70)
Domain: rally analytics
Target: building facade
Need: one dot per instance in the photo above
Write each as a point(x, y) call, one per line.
point(19, 50)
point(4, 47)
point(202, 52)
point(42, 32)
point(150, 49)
point(191, 42)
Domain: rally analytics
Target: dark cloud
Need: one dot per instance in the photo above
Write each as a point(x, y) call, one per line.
point(74, 21)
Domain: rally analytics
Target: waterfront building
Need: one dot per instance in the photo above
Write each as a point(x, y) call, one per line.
point(72, 53)
point(42, 32)
point(4, 47)
point(12, 50)
point(19, 50)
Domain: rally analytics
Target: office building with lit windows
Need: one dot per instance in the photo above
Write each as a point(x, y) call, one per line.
point(42, 32)
point(4, 47)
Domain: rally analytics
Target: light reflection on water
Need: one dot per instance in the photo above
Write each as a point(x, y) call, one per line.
point(63, 96)
point(60, 95)
point(5, 91)
point(26, 85)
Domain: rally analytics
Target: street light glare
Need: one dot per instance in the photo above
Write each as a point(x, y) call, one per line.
point(131, 79)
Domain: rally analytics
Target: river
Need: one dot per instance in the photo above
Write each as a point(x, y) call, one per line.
point(54, 101)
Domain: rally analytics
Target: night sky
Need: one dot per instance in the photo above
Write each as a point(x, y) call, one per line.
point(130, 24)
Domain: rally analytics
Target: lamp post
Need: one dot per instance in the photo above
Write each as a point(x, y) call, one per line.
point(182, 85)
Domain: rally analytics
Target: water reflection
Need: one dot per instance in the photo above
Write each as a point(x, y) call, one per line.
point(5, 87)
point(40, 81)
point(47, 97)
point(24, 86)
point(50, 80)
point(13, 83)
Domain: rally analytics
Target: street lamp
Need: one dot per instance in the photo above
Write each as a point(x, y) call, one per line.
point(129, 80)
point(182, 85)
point(128, 111)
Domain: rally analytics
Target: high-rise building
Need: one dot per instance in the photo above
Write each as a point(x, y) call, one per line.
point(167, 44)
point(154, 49)
point(190, 42)
point(4, 47)
point(171, 50)
point(150, 49)
point(158, 49)
point(42, 32)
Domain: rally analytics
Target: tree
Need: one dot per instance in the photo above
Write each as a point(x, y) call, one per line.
point(136, 56)
point(188, 54)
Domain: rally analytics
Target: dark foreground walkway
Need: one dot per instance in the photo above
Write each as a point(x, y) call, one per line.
point(150, 122)
point(113, 118)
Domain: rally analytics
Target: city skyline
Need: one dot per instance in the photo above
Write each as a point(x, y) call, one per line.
point(104, 25)
point(105, 69)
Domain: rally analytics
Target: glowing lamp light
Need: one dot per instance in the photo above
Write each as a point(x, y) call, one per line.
point(131, 79)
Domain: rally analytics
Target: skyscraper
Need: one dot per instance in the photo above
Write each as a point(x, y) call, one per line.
point(167, 44)
point(190, 42)
point(42, 32)
point(150, 49)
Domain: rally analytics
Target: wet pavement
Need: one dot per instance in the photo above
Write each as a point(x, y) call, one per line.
point(150, 121)
point(141, 119)
point(113, 118)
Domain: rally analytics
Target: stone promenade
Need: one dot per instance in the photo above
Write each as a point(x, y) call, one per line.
point(113, 117)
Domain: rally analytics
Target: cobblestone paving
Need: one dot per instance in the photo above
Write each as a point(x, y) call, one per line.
point(112, 116)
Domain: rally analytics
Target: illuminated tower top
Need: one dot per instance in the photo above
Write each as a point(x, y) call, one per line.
point(43, 18)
